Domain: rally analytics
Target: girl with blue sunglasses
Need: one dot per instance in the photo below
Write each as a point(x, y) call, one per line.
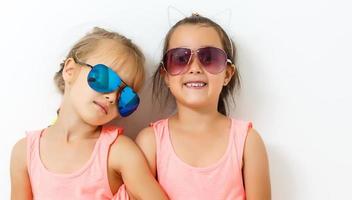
point(79, 157)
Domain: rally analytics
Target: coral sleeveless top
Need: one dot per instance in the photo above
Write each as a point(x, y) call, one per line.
point(89, 182)
point(219, 181)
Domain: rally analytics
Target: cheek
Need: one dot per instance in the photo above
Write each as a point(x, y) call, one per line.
point(81, 92)
point(114, 112)
point(174, 85)
point(81, 98)
point(174, 81)
point(217, 82)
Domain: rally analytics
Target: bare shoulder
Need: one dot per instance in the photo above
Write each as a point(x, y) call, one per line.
point(123, 145)
point(132, 165)
point(147, 143)
point(124, 151)
point(19, 152)
point(254, 141)
point(254, 149)
point(256, 167)
point(20, 183)
point(146, 137)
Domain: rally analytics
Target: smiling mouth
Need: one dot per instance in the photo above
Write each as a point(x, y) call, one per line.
point(195, 84)
point(104, 109)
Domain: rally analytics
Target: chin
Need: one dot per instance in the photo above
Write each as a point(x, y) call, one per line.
point(95, 120)
point(195, 103)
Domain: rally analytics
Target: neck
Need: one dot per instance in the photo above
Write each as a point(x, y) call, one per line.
point(71, 126)
point(202, 117)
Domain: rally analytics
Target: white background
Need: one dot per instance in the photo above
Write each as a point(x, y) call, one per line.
point(294, 58)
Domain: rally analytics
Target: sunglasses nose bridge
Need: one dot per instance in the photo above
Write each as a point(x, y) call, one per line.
point(194, 65)
point(190, 60)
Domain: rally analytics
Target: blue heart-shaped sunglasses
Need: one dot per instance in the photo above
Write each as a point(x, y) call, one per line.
point(103, 79)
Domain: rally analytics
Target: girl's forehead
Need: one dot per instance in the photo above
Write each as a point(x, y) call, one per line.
point(195, 36)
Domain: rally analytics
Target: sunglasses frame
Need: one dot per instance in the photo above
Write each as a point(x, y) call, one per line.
point(194, 51)
point(119, 90)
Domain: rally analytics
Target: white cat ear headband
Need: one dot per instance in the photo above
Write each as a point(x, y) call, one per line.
point(223, 18)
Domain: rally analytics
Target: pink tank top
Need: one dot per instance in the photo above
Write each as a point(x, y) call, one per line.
point(89, 182)
point(220, 181)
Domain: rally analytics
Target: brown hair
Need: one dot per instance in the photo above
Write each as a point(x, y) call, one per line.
point(89, 43)
point(159, 88)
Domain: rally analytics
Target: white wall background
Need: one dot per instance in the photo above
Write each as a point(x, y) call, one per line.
point(294, 58)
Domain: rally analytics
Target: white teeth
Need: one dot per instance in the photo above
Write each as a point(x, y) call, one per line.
point(195, 84)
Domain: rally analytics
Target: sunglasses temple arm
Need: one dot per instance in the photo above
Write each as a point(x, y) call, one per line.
point(88, 65)
point(122, 87)
point(162, 66)
point(229, 61)
point(81, 63)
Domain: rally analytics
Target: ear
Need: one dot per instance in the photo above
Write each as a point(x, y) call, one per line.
point(165, 76)
point(230, 71)
point(166, 79)
point(70, 71)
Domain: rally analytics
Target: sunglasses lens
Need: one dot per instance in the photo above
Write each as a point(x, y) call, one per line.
point(176, 60)
point(212, 59)
point(128, 101)
point(103, 79)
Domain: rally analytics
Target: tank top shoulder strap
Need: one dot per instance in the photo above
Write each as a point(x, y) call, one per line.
point(240, 130)
point(161, 133)
point(109, 134)
point(160, 128)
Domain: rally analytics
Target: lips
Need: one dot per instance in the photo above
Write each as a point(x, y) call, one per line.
point(102, 106)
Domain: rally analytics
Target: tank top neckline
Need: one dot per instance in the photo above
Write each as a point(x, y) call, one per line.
point(206, 168)
point(76, 172)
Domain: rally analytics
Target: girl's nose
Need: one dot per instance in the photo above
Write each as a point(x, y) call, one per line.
point(195, 66)
point(111, 97)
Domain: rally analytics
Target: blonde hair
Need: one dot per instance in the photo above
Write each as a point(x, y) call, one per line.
point(89, 43)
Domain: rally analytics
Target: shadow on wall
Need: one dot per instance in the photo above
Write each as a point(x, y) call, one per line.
point(147, 112)
point(284, 183)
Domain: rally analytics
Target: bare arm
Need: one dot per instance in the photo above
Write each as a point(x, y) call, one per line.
point(129, 161)
point(20, 184)
point(146, 142)
point(256, 168)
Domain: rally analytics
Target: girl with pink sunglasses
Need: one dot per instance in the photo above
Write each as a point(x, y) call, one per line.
point(200, 152)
